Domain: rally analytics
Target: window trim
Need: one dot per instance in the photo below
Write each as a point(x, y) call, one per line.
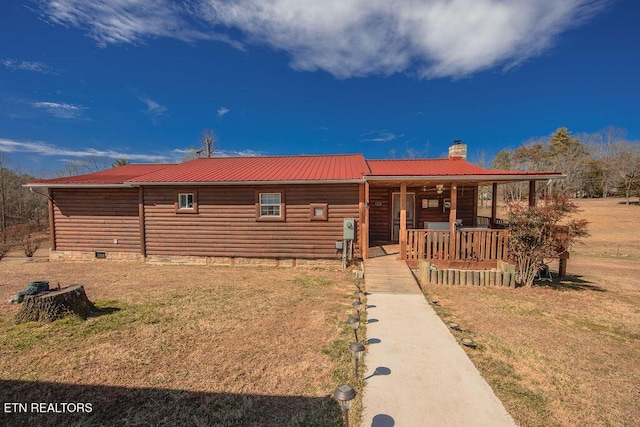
point(259, 216)
point(312, 212)
point(194, 209)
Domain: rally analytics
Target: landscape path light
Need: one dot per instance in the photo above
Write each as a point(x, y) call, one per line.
point(344, 394)
point(354, 324)
point(357, 305)
point(358, 283)
point(356, 349)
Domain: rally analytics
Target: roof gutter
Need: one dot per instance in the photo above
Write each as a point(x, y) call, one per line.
point(72, 185)
point(286, 182)
point(132, 184)
point(370, 178)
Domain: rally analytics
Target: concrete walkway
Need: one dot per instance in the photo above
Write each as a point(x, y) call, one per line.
point(418, 375)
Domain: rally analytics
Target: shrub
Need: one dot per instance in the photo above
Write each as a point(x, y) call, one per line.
point(25, 238)
point(539, 232)
point(4, 248)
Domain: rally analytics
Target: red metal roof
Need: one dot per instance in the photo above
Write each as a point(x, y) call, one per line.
point(259, 169)
point(437, 167)
point(345, 167)
point(112, 176)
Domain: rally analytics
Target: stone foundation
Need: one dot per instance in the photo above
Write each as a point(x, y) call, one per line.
point(193, 260)
point(242, 261)
point(91, 256)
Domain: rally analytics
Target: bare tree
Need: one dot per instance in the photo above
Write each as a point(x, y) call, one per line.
point(119, 162)
point(410, 153)
point(79, 167)
point(210, 141)
point(602, 176)
point(627, 166)
point(513, 191)
point(18, 206)
point(481, 158)
point(4, 177)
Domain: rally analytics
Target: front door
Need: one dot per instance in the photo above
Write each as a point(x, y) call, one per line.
point(395, 210)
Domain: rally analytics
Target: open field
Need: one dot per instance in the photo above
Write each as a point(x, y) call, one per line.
point(181, 345)
point(613, 225)
point(566, 353)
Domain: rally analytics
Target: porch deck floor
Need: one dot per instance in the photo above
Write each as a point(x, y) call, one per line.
point(417, 374)
point(387, 274)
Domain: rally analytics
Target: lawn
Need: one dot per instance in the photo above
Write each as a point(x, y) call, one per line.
point(566, 353)
point(180, 345)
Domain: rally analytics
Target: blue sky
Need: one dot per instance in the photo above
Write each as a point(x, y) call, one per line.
point(141, 79)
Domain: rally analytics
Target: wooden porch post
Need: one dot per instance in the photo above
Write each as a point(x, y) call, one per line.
point(362, 218)
point(403, 221)
point(452, 220)
point(143, 240)
point(494, 203)
point(365, 228)
point(532, 193)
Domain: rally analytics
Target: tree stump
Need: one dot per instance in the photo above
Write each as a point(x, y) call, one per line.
point(51, 306)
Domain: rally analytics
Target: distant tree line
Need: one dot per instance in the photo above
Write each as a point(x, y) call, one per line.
point(23, 214)
point(600, 164)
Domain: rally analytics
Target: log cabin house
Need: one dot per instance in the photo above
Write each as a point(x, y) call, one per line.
point(288, 210)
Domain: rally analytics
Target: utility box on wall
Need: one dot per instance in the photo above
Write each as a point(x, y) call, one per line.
point(349, 230)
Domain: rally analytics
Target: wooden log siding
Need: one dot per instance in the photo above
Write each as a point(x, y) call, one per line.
point(379, 214)
point(469, 245)
point(226, 226)
point(465, 211)
point(90, 219)
point(380, 208)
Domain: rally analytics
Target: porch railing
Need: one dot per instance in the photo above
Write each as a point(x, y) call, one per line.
point(485, 221)
point(466, 245)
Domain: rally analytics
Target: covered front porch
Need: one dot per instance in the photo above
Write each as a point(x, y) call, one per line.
point(435, 220)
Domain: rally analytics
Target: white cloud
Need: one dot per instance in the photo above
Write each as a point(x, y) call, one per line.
point(131, 21)
point(44, 149)
point(238, 153)
point(433, 38)
point(63, 111)
point(154, 110)
point(37, 67)
point(380, 136)
point(223, 153)
point(222, 111)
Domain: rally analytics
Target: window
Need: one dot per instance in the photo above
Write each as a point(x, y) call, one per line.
point(318, 212)
point(270, 204)
point(187, 203)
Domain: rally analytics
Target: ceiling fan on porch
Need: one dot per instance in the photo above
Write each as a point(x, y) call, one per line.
point(439, 188)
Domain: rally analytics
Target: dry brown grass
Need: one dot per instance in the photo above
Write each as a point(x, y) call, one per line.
point(176, 345)
point(614, 227)
point(568, 353)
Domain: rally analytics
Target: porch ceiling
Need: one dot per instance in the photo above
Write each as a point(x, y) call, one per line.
point(460, 180)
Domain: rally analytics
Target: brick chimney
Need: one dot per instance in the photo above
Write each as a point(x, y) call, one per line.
point(458, 150)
